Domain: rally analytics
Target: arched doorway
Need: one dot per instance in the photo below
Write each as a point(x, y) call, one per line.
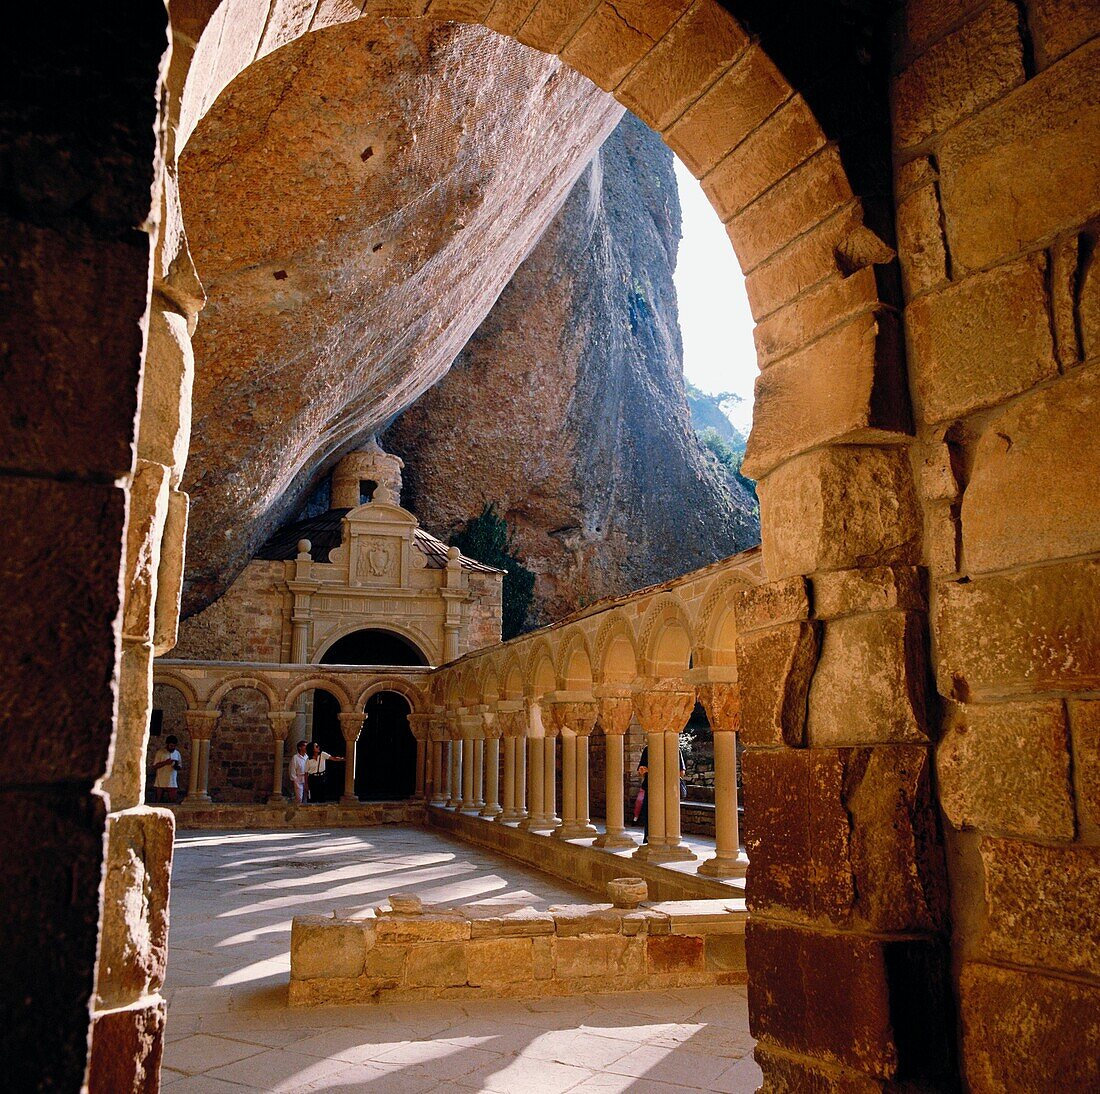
point(385, 756)
point(373, 646)
point(324, 728)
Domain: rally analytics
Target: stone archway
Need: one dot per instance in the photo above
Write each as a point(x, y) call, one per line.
point(385, 764)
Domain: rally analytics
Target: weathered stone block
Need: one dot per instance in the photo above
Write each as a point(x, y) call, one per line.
point(598, 955)
point(849, 835)
point(1024, 168)
point(125, 782)
point(728, 112)
point(880, 1007)
point(576, 919)
point(1032, 490)
point(322, 948)
point(552, 23)
point(166, 388)
point(687, 60)
point(921, 248)
point(981, 340)
point(785, 1074)
point(1059, 26)
point(170, 574)
point(542, 958)
point(725, 952)
point(870, 682)
point(79, 576)
point(144, 529)
point(774, 671)
point(521, 922)
point(1043, 905)
point(500, 961)
point(875, 589)
point(839, 507)
point(1021, 1029)
point(436, 964)
point(960, 74)
point(1018, 634)
point(674, 953)
point(384, 962)
point(434, 927)
point(1005, 768)
point(771, 604)
point(1084, 719)
point(127, 1047)
point(134, 935)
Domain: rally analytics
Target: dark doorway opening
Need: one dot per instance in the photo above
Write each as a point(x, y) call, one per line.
point(385, 757)
point(373, 647)
point(328, 734)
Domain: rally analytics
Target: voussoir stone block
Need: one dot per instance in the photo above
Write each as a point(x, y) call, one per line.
point(1042, 905)
point(771, 604)
point(1017, 634)
point(1005, 768)
point(837, 508)
point(870, 682)
point(321, 949)
point(1023, 1030)
point(1024, 168)
point(980, 340)
point(500, 961)
point(880, 1007)
point(875, 589)
point(134, 934)
point(774, 671)
point(846, 386)
point(1032, 489)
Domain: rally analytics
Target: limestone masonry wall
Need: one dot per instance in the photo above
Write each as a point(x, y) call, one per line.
point(496, 951)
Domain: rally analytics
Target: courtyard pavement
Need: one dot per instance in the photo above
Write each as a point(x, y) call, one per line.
point(229, 1028)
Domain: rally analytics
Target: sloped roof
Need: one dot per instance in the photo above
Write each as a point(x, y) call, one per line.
point(323, 532)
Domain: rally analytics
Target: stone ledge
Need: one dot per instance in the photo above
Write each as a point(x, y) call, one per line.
point(232, 815)
point(377, 955)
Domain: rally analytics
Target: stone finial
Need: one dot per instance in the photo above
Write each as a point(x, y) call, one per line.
point(304, 547)
point(627, 892)
point(454, 557)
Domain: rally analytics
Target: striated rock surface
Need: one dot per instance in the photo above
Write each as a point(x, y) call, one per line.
point(567, 407)
point(355, 202)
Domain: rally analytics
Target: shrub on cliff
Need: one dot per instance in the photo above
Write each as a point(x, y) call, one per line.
point(488, 538)
point(727, 458)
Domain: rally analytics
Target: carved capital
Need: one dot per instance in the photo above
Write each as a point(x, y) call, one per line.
point(492, 729)
point(351, 725)
point(664, 709)
point(438, 728)
point(420, 726)
point(723, 706)
point(200, 723)
point(281, 721)
point(576, 716)
point(471, 727)
point(616, 714)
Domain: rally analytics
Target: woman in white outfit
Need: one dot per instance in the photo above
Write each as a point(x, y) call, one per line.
point(315, 771)
point(298, 773)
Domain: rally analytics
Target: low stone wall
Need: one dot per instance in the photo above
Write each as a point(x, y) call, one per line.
point(327, 815)
point(382, 956)
point(589, 867)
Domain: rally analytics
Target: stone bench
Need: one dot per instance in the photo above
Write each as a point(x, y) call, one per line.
point(383, 955)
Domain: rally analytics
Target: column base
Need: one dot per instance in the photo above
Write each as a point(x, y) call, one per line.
point(440, 802)
point(514, 817)
point(452, 803)
point(723, 867)
point(658, 853)
point(538, 824)
point(276, 799)
point(491, 812)
point(198, 798)
point(615, 841)
point(468, 807)
point(349, 799)
point(574, 831)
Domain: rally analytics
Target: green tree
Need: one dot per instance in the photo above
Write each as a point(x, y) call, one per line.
point(488, 538)
point(727, 459)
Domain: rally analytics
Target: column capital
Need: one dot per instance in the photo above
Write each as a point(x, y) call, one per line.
point(420, 725)
point(664, 707)
point(616, 714)
point(437, 728)
point(281, 721)
point(492, 729)
point(471, 726)
point(351, 724)
point(723, 706)
point(200, 723)
point(575, 716)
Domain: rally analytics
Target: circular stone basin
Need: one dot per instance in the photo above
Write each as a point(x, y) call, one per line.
point(627, 892)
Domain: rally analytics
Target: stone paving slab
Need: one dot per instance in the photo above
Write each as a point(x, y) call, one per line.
point(229, 1028)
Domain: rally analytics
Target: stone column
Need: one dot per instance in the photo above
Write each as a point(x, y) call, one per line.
point(479, 772)
point(723, 705)
point(549, 777)
point(454, 779)
point(351, 725)
point(662, 712)
point(419, 726)
point(492, 732)
point(615, 716)
point(200, 727)
point(508, 813)
point(438, 789)
point(469, 726)
point(520, 781)
point(281, 721)
point(574, 719)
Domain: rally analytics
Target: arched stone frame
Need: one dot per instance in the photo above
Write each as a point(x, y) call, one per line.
point(511, 677)
point(418, 703)
point(574, 642)
point(714, 640)
point(256, 683)
point(488, 685)
point(615, 633)
point(411, 634)
point(665, 616)
point(184, 687)
point(320, 683)
point(540, 675)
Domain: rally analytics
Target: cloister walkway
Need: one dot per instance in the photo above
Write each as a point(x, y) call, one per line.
point(229, 1029)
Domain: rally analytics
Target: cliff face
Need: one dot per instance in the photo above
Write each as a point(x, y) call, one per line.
point(355, 202)
point(567, 408)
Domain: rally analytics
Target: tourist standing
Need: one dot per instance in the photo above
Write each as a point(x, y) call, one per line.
point(166, 765)
point(298, 773)
point(315, 771)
